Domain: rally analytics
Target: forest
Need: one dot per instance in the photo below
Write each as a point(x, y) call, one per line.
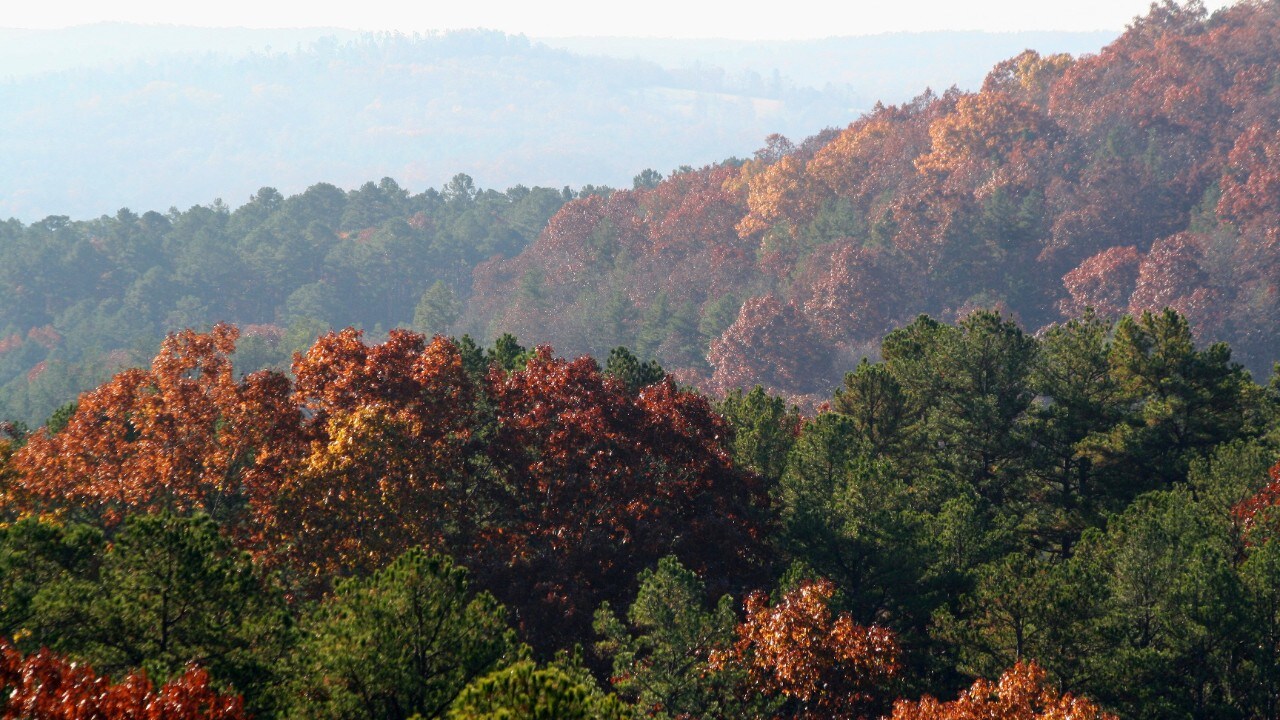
point(985, 523)
point(968, 410)
point(1139, 178)
point(1135, 179)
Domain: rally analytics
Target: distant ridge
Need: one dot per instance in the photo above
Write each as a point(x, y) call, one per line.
point(891, 67)
point(105, 116)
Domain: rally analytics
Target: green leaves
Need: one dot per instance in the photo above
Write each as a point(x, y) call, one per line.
point(404, 641)
point(167, 592)
point(661, 654)
point(526, 692)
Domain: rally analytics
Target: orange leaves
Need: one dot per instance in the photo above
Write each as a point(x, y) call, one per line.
point(852, 165)
point(1022, 693)
point(43, 686)
point(384, 468)
point(1028, 76)
point(986, 131)
point(829, 666)
point(776, 193)
point(180, 436)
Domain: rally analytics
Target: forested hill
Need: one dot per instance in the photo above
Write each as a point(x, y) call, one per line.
point(86, 298)
point(1138, 178)
point(1141, 177)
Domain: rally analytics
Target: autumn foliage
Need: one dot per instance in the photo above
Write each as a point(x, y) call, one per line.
point(43, 686)
point(1024, 692)
point(555, 471)
point(823, 663)
point(1255, 514)
point(1133, 179)
point(182, 435)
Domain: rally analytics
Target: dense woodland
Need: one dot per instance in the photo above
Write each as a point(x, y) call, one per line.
point(1025, 525)
point(1134, 179)
point(87, 298)
point(1141, 177)
point(924, 419)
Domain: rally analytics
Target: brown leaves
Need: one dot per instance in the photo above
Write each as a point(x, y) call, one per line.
point(1022, 693)
point(1104, 282)
point(159, 438)
point(829, 666)
point(44, 686)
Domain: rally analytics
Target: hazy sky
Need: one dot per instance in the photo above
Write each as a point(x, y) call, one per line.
point(742, 19)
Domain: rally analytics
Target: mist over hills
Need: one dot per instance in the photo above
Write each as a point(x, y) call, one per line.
point(150, 117)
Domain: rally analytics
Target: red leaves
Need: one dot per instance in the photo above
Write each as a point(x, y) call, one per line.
point(1255, 512)
point(594, 484)
point(829, 666)
point(43, 686)
point(772, 344)
point(1103, 282)
point(1022, 693)
point(153, 439)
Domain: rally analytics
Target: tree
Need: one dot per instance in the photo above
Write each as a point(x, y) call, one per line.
point(821, 666)
point(647, 179)
point(44, 686)
point(1172, 276)
point(33, 555)
point(877, 405)
point(661, 654)
point(437, 310)
point(764, 430)
point(1103, 282)
point(169, 592)
point(1169, 610)
point(1022, 693)
point(1080, 398)
point(403, 642)
point(1185, 401)
point(970, 387)
point(526, 691)
point(181, 436)
point(771, 344)
point(633, 373)
point(589, 484)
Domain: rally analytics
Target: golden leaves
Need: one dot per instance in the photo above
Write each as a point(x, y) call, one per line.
point(1022, 693)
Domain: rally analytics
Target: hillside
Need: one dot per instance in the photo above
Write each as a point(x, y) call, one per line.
point(90, 297)
point(1137, 178)
point(1140, 177)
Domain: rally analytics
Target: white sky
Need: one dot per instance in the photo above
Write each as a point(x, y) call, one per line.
point(739, 19)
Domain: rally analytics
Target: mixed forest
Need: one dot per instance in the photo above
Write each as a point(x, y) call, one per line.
point(964, 411)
